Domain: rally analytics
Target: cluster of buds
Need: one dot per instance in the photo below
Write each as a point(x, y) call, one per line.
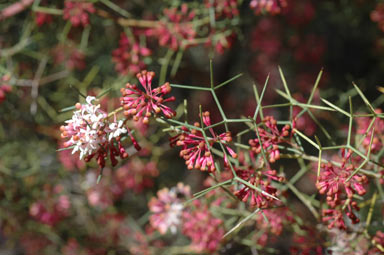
point(167, 208)
point(77, 12)
point(335, 216)
point(142, 104)
point(129, 56)
point(91, 133)
point(196, 147)
point(261, 179)
point(269, 139)
point(176, 29)
point(333, 182)
point(271, 6)
point(333, 179)
point(204, 230)
point(5, 88)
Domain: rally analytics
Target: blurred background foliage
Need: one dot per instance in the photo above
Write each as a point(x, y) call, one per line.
point(48, 61)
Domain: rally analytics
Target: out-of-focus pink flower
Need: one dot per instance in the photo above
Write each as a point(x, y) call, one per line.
point(143, 104)
point(167, 208)
point(72, 247)
point(50, 211)
point(307, 242)
point(129, 56)
point(204, 230)
point(271, 6)
point(176, 29)
point(195, 149)
point(219, 41)
point(33, 243)
point(103, 194)
point(42, 18)
point(269, 139)
point(310, 49)
point(68, 160)
point(378, 15)
point(299, 12)
point(77, 12)
point(136, 175)
point(266, 37)
point(68, 55)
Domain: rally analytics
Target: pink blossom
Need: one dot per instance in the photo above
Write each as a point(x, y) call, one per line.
point(167, 208)
point(43, 18)
point(261, 179)
point(129, 56)
point(50, 211)
point(195, 150)
point(142, 104)
point(77, 12)
point(269, 139)
point(202, 228)
point(332, 180)
point(136, 175)
point(176, 28)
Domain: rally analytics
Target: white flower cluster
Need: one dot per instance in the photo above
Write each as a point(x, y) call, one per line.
point(87, 122)
point(116, 129)
point(173, 218)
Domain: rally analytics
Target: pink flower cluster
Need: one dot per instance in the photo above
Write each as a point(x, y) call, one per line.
point(261, 179)
point(52, 210)
point(176, 29)
point(332, 182)
point(167, 208)
point(143, 104)
point(136, 175)
point(129, 56)
point(204, 230)
point(42, 18)
point(77, 12)
point(195, 150)
point(271, 6)
point(270, 139)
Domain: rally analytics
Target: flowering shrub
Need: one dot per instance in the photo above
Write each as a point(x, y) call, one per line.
point(283, 160)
